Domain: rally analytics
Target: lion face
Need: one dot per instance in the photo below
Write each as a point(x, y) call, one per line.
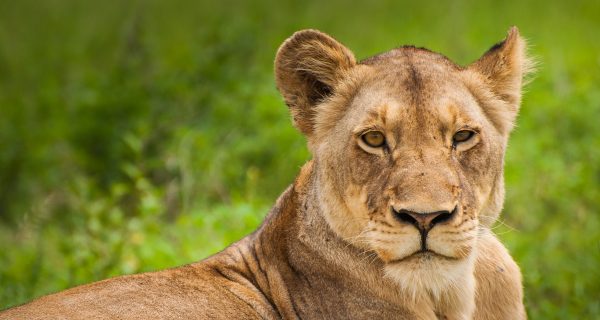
point(408, 147)
point(411, 163)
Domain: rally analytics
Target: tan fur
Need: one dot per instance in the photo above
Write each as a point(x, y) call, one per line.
point(336, 244)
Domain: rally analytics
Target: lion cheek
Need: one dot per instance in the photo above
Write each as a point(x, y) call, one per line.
point(346, 218)
point(460, 248)
point(385, 255)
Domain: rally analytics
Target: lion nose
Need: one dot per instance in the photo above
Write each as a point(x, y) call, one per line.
point(424, 221)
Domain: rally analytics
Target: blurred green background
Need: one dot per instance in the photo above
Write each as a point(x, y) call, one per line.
point(139, 135)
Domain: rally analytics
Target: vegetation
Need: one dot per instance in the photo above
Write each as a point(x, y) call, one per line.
point(141, 135)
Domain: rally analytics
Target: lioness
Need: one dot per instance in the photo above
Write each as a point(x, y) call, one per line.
point(391, 218)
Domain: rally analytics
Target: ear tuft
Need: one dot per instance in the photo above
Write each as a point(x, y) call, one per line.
point(308, 67)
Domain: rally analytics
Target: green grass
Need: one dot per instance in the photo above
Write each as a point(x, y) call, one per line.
point(141, 135)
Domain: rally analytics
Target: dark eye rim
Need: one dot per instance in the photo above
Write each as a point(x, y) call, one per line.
point(364, 135)
point(471, 132)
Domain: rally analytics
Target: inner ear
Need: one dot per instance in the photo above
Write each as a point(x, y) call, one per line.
point(317, 90)
point(308, 67)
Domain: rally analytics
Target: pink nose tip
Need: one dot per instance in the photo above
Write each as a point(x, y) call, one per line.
point(424, 221)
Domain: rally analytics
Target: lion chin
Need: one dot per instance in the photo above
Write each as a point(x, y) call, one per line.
point(430, 273)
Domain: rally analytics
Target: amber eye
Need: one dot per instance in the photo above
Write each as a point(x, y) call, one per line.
point(373, 139)
point(462, 136)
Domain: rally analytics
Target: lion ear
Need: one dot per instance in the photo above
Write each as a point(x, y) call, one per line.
point(308, 66)
point(503, 69)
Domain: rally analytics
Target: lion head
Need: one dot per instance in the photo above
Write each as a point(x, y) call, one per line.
point(408, 147)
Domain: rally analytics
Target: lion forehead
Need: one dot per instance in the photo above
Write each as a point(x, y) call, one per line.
point(402, 97)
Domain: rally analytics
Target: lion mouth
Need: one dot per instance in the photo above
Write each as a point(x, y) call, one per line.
point(424, 254)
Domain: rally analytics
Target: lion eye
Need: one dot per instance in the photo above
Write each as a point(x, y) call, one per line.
point(373, 139)
point(462, 136)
